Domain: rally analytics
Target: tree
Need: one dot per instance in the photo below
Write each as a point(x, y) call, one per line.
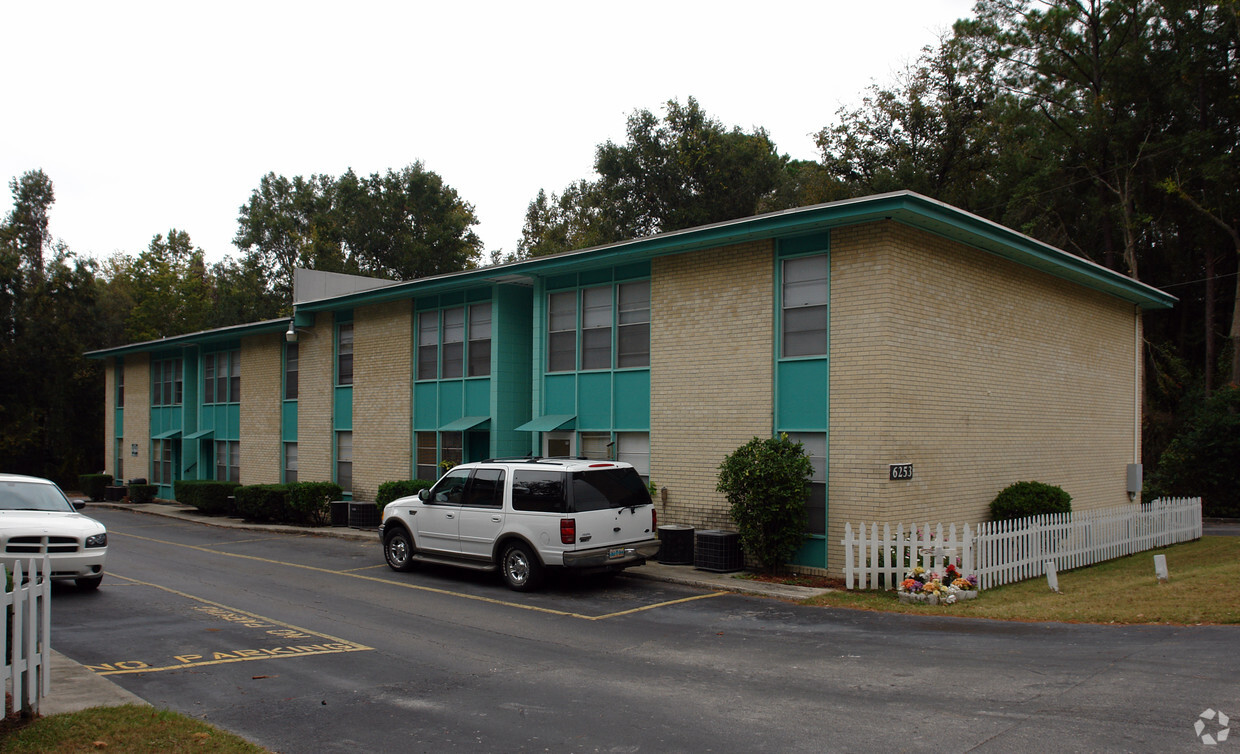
point(681, 172)
point(767, 483)
point(402, 224)
point(25, 229)
point(167, 288)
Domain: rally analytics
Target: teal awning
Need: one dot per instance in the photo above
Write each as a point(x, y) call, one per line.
point(547, 423)
point(466, 422)
point(202, 434)
point(170, 434)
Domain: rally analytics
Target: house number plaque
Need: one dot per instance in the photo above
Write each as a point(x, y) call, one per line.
point(901, 471)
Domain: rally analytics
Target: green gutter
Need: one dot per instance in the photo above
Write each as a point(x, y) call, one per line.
point(194, 339)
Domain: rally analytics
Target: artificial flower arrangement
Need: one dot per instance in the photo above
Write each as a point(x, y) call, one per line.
point(920, 585)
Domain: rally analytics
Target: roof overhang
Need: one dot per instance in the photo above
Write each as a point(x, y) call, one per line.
point(200, 338)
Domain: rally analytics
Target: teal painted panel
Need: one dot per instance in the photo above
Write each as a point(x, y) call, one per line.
point(801, 396)
point(632, 400)
point(813, 553)
point(595, 277)
point(426, 406)
point(477, 397)
point(594, 401)
point(288, 422)
point(561, 394)
point(562, 281)
point(805, 244)
point(342, 418)
point(119, 423)
point(224, 419)
point(633, 271)
point(451, 401)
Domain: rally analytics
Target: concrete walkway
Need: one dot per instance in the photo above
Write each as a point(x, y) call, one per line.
point(74, 688)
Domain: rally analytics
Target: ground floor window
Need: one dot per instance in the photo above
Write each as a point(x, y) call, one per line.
point(161, 468)
point(634, 448)
point(452, 451)
point(228, 461)
point(596, 445)
point(290, 462)
point(344, 460)
point(815, 446)
point(426, 463)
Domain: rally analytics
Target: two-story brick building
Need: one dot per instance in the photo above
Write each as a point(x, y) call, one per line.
point(891, 329)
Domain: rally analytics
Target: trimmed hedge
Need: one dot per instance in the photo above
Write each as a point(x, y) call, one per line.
point(1025, 499)
point(310, 502)
point(264, 503)
point(389, 491)
point(92, 485)
point(207, 495)
point(142, 493)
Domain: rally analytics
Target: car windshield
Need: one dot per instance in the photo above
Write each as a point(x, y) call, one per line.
point(32, 496)
point(608, 488)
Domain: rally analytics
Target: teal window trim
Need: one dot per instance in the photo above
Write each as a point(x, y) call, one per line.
point(614, 326)
point(225, 373)
point(430, 329)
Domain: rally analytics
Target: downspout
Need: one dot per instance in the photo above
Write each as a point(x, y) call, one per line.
point(1136, 382)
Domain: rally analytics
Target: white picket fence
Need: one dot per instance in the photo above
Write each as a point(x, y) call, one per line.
point(30, 604)
point(1003, 552)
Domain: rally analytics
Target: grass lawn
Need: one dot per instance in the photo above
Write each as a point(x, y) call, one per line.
point(131, 728)
point(1203, 588)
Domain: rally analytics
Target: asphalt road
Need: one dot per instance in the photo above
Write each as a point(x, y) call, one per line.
point(308, 644)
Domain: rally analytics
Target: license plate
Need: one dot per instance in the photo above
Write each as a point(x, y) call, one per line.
point(613, 554)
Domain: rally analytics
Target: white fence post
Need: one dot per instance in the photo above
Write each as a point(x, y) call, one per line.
point(1002, 552)
point(29, 642)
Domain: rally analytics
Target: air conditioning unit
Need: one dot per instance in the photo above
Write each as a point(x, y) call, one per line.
point(676, 545)
point(363, 515)
point(718, 550)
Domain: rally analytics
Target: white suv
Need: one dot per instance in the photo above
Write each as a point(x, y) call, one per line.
point(524, 515)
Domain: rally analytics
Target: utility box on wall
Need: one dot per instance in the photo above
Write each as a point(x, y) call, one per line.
point(1134, 480)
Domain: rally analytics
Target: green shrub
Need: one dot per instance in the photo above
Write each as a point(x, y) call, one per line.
point(142, 493)
point(1204, 458)
point(767, 484)
point(92, 485)
point(264, 503)
point(207, 495)
point(310, 502)
point(389, 491)
point(1025, 499)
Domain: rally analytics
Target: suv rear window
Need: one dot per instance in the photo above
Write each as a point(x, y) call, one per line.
point(608, 488)
point(537, 490)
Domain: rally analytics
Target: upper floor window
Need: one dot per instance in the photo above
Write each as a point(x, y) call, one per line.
point(291, 369)
point(804, 302)
point(166, 382)
point(120, 384)
point(613, 331)
point(455, 342)
point(344, 354)
point(221, 377)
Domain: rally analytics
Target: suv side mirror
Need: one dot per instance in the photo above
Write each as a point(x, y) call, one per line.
point(424, 494)
point(78, 503)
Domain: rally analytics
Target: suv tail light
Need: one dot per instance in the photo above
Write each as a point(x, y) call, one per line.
point(568, 531)
point(654, 519)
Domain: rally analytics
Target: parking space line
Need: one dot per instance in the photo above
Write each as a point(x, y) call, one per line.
point(247, 541)
point(287, 631)
point(428, 589)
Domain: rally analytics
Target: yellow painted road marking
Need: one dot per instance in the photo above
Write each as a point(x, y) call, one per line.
point(333, 645)
point(420, 588)
point(247, 541)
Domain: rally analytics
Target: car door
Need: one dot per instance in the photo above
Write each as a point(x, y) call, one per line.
point(438, 518)
point(482, 512)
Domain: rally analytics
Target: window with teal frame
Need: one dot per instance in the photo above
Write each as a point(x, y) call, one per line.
point(803, 299)
point(612, 331)
point(454, 342)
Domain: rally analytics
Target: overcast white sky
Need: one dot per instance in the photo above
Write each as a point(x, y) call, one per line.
point(150, 116)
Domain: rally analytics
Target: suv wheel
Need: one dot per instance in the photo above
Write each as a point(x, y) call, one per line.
point(398, 550)
point(521, 569)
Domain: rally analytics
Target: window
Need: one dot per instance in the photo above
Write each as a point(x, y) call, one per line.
point(596, 445)
point(805, 306)
point(815, 446)
point(428, 347)
point(344, 460)
point(451, 489)
point(227, 461)
point(633, 333)
point(538, 490)
point(426, 466)
point(486, 489)
point(291, 368)
point(166, 382)
point(344, 354)
point(453, 342)
point(221, 377)
point(480, 340)
point(562, 332)
point(161, 462)
point(120, 385)
point(634, 448)
point(451, 444)
point(614, 318)
point(290, 462)
point(596, 328)
point(120, 462)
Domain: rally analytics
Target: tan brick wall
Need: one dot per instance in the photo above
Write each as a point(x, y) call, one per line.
point(137, 419)
point(710, 371)
point(979, 371)
point(261, 399)
point(382, 401)
point(316, 364)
